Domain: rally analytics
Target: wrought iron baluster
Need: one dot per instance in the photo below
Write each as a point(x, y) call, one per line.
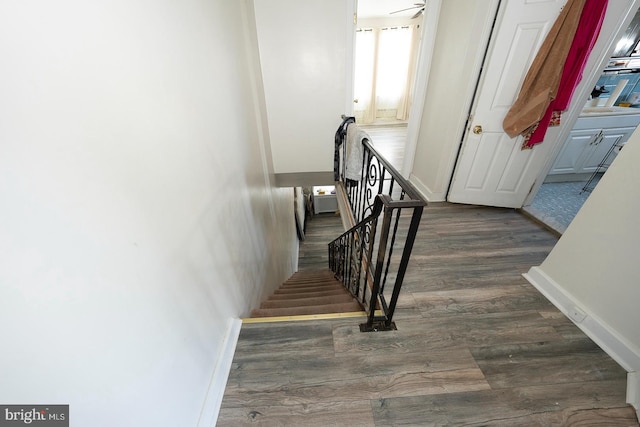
point(364, 256)
point(391, 246)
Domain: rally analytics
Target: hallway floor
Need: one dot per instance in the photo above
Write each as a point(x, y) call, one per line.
point(389, 140)
point(476, 344)
point(557, 203)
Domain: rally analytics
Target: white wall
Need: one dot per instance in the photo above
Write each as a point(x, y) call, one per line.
point(459, 47)
point(306, 65)
point(136, 211)
point(592, 273)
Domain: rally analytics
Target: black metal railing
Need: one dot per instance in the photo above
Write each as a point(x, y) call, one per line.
point(371, 258)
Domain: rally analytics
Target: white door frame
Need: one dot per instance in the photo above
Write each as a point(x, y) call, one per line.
point(429, 169)
point(423, 67)
point(350, 59)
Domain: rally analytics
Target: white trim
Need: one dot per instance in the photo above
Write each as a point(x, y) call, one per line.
point(633, 391)
point(213, 399)
point(350, 57)
point(425, 191)
point(428, 41)
point(620, 349)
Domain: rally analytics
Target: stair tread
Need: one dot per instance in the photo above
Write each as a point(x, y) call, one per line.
point(310, 282)
point(308, 292)
point(313, 309)
point(299, 302)
point(322, 271)
point(310, 286)
point(306, 288)
point(307, 279)
point(284, 295)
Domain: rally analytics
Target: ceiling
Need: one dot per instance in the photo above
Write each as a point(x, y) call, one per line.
point(382, 8)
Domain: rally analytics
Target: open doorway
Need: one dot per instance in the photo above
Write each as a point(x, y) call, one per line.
point(606, 122)
point(386, 52)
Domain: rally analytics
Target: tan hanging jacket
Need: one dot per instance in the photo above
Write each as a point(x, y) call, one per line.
point(540, 86)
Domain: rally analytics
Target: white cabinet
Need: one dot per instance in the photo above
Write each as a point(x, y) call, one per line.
point(568, 160)
point(599, 149)
point(590, 141)
point(324, 199)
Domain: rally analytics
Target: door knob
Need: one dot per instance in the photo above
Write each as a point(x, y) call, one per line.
point(477, 129)
point(355, 100)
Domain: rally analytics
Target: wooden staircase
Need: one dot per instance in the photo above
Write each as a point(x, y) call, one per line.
point(308, 292)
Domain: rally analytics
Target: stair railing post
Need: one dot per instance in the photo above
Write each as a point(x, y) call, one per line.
point(379, 184)
point(382, 249)
point(404, 261)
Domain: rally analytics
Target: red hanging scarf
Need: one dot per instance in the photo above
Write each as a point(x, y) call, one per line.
point(585, 38)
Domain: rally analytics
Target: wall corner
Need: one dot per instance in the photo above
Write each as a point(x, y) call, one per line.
point(633, 391)
point(425, 191)
point(618, 348)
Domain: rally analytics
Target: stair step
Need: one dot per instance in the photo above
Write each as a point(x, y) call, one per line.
point(306, 282)
point(322, 287)
point(312, 273)
point(300, 302)
point(312, 309)
point(289, 295)
point(309, 285)
point(308, 292)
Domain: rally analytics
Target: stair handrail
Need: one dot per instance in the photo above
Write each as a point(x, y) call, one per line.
point(367, 198)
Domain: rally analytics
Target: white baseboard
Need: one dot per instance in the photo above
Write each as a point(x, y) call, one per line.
point(426, 191)
point(213, 400)
point(621, 350)
point(633, 391)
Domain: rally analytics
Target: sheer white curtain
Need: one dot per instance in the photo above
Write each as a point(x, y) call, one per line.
point(385, 61)
point(364, 88)
point(404, 104)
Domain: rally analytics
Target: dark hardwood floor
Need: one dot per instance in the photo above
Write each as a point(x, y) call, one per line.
point(476, 344)
point(389, 141)
point(321, 229)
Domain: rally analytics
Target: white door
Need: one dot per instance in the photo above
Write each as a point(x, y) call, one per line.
point(492, 169)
